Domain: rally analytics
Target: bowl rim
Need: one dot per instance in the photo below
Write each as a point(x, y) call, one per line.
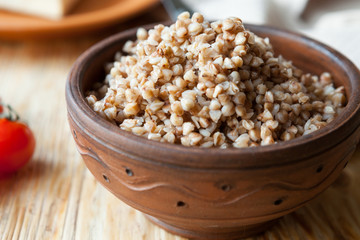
point(128, 144)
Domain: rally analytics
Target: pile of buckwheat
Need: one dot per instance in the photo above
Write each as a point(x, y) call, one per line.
point(212, 84)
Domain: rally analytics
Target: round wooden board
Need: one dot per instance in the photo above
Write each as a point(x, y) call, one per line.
point(88, 16)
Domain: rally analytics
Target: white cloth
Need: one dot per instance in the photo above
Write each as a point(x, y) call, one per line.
point(333, 22)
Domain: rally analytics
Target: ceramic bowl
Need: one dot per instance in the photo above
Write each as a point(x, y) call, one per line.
point(215, 193)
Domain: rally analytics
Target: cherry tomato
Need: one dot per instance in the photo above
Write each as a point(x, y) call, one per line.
point(17, 145)
point(1, 108)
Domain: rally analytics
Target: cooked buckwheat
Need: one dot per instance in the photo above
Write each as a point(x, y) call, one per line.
point(206, 84)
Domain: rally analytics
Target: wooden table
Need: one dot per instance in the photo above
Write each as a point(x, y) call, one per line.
point(56, 197)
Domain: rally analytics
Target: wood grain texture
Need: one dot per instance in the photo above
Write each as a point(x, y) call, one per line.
point(56, 197)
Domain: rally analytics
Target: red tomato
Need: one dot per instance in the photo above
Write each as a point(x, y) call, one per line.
point(1, 108)
point(17, 145)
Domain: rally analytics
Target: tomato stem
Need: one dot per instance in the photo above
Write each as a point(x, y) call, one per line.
point(9, 113)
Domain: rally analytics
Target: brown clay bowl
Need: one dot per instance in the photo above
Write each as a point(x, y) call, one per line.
point(215, 193)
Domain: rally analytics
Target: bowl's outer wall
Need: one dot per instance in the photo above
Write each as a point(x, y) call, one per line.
point(233, 196)
point(212, 199)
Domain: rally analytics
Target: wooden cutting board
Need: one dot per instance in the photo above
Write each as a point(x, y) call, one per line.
point(56, 197)
point(88, 15)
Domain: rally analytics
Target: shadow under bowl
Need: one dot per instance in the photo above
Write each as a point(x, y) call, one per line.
point(215, 193)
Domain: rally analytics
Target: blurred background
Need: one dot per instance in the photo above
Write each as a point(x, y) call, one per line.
point(334, 22)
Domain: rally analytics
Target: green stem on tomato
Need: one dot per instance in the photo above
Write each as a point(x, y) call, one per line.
point(9, 113)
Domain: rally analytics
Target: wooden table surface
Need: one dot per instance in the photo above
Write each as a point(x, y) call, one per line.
point(56, 197)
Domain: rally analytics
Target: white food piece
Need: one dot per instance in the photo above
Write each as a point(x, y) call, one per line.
point(52, 9)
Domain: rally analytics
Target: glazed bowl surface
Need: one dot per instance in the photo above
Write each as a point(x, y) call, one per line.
point(215, 193)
